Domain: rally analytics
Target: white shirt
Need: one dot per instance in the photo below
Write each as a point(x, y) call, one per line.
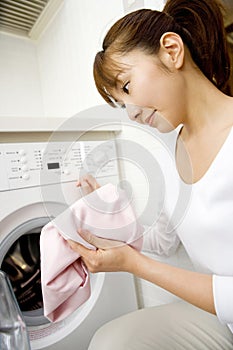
point(201, 217)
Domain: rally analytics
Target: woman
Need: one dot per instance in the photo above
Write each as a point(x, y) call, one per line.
point(169, 69)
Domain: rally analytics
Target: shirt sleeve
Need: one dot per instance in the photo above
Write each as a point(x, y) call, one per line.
point(223, 298)
point(156, 238)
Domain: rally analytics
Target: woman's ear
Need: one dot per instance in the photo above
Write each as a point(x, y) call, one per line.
point(171, 50)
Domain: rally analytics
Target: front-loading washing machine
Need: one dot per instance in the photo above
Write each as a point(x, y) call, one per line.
point(37, 182)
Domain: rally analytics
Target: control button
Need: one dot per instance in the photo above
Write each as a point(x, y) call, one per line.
point(26, 176)
point(66, 172)
point(25, 168)
point(22, 152)
point(23, 160)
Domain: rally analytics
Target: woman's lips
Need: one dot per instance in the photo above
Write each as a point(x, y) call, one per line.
point(150, 119)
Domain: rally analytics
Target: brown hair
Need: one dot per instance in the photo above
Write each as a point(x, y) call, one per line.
point(198, 22)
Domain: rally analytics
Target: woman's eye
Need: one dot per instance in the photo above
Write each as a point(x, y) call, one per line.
point(126, 88)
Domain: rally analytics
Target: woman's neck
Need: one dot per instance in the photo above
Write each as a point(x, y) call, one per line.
point(207, 107)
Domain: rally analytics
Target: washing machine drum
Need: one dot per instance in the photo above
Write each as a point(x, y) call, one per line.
point(22, 264)
point(20, 259)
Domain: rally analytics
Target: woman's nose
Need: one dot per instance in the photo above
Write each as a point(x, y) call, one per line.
point(133, 111)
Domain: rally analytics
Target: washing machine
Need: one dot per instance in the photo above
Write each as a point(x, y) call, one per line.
point(37, 183)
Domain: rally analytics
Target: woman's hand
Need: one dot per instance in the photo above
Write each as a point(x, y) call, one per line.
point(88, 184)
point(117, 256)
point(109, 255)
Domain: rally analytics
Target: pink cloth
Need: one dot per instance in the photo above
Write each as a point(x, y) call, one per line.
point(65, 282)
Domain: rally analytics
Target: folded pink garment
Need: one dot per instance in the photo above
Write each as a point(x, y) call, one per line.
point(65, 281)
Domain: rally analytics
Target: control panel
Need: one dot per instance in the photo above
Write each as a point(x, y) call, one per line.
point(35, 164)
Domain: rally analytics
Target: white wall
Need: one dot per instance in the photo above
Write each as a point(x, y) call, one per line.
point(66, 53)
point(20, 91)
point(53, 76)
point(154, 4)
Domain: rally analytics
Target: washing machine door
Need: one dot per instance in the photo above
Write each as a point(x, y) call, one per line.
point(20, 259)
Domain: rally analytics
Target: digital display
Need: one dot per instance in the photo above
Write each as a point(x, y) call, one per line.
point(53, 165)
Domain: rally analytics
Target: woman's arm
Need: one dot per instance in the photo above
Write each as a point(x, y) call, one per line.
point(194, 287)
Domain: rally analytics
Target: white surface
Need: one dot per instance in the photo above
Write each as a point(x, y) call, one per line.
point(154, 4)
point(23, 206)
point(41, 163)
point(152, 295)
point(115, 299)
point(20, 88)
point(135, 172)
point(16, 124)
point(53, 76)
point(66, 53)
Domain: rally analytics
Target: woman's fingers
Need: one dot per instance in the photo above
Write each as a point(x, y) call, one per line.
point(79, 248)
point(92, 182)
point(90, 257)
point(88, 180)
point(87, 184)
point(98, 242)
point(109, 255)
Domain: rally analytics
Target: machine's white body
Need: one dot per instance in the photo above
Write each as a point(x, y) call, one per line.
point(37, 182)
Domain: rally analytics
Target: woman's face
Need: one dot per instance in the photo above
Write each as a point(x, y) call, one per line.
point(152, 94)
